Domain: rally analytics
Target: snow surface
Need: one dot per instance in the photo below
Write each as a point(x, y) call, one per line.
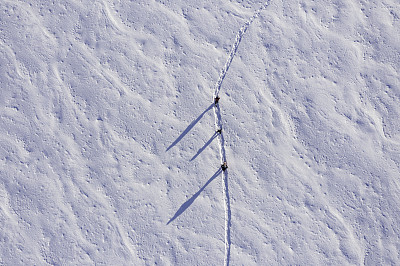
point(108, 151)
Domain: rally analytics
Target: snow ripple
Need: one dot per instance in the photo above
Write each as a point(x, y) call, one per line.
point(218, 125)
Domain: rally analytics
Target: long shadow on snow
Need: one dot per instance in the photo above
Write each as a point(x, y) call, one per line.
point(204, 146)
point(192, 199)
point(189, 127)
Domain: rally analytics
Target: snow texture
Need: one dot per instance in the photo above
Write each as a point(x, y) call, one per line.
point(109, 153)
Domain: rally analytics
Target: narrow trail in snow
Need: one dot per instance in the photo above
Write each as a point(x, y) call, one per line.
point(218, 125)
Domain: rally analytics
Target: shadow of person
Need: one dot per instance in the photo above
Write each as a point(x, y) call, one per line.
point(189, 202)
point(204, 146)
point(189, 127)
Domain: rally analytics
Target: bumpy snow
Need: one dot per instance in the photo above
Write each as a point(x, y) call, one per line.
point(109, 153)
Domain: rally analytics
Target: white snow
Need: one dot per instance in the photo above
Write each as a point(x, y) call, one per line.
point(108, 151)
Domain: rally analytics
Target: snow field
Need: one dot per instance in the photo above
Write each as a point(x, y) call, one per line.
point(93, 94)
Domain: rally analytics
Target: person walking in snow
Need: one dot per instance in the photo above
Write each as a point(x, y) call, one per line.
point(219, 131)
point(216, 100)
point(224, 166)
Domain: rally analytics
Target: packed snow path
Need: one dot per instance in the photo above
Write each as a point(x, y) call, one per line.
point(218, 126)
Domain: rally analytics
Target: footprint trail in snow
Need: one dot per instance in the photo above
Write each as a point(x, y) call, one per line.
point(218, 125)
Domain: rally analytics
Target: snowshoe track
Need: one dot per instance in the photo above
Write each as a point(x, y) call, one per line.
point(218, 125)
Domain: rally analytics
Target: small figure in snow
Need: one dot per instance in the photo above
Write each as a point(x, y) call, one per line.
point(219, 131)
point(216, 100)
point(224, 166)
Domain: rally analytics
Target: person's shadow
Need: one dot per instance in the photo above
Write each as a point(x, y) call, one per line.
point(205, 146)
point(189, 202)
point(189, 127)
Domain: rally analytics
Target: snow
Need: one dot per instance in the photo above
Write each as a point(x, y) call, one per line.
point(108, 151)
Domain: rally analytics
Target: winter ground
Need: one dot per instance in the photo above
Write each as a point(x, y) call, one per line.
point(107, 147)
